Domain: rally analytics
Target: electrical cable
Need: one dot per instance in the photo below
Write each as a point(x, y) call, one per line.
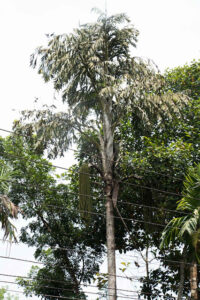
point(61, 297)
point(100, 214)
point(89, 285)
point(74, 150)
point(61, 281)
point(132, 278)
point(71, 290)
point(69, 249)
point(122, 202)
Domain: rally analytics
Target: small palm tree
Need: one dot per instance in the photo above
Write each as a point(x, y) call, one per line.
point(186, 229)
point(7, 209)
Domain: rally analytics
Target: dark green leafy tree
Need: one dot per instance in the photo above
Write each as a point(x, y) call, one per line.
point(69, 250)
point(101, 83)
point(160, 157)
point(185, 78)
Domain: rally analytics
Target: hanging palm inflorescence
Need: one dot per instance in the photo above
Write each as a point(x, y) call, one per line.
point(85, 199)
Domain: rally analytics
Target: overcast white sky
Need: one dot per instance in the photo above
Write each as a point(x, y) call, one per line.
point(169, 34)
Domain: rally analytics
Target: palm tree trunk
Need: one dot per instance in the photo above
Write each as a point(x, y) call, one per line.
point(194, 281)
point(147, 271)
point(182, 278)
point(107, 151)
point(182, 275)
point(110, 234)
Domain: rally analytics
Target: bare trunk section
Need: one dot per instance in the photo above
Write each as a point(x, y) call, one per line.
point(194, 281)
point(107, 152)
point(146, 261)
point(182, 275)
point(182, 278)
point(147, 271)
point(110, 234)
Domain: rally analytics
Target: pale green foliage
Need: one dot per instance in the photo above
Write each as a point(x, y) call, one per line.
point(5, 175)
point(186, 228)
point(6, 296)
point(2, 293)
point(96, 73)
point(125, 266)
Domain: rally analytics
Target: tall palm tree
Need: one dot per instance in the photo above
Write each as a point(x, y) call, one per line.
point(186, 228)
point(7, 209)
point(103, 84)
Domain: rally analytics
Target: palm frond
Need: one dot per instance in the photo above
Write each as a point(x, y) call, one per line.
point(186, 228)
point(7, 209)
point(172, 231)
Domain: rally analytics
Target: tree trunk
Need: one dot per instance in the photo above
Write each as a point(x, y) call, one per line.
point(107, 152)
point(194, 281)
point(182, 276)
point(147, 271)
point(110, 234)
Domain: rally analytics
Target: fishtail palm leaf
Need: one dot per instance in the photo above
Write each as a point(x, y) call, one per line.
point(7, 208)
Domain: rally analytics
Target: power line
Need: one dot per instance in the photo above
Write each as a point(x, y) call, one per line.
point(132, 278)
point(100, 214)
point(172, 261)
point(46, 295)
point(95, 293)
point(121, 182)
point(154, 207)
point(123, 202)
point(89, 285)
point(61, 281)
point(71, 290)
point(35, 262)
point(128, 183)
point(153, 189)
point(125, 182)
point(51, 247)
point(115, 217)
point(124, 218)
point(74, 150)
point(21, 260)
point(128, 255)
point(60, 297)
